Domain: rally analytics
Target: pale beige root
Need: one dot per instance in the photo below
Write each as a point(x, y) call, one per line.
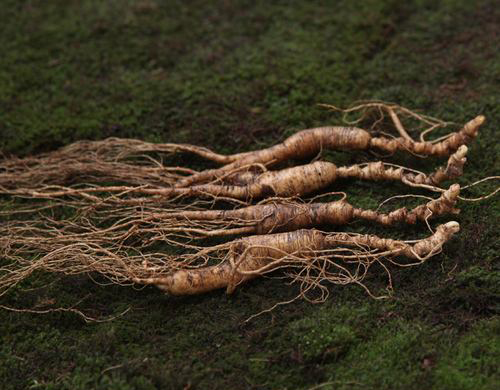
point(180, 228)
point(29, 238)
point(442, 148)
point(420, 250)
point(287, 182)
point(128, 147)
point(308, 143)
point(119, 264)
point(129, 161)
point(295, 181)
point(113, 159)
point(326, 255)
point(385, 171)
point(445, 204)
point(246, 254)
point(281, 216)
point(311, 257)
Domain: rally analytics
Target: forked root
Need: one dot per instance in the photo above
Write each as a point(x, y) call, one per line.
point(376, 111)
point(315, 256)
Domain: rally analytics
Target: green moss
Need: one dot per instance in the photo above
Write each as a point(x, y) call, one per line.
point(326, 335)
point(391, 358)
point(472, 362)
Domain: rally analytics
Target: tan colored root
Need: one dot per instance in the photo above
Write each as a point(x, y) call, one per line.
point(129, 161)
point(119, 264)
point(281, 216)
point(295, 181)
point(420, 250)
point(311, 257)
point(319, 257)
point(445, 204)
point(383, 171)
point(179, 228)
point(308, 143)
point(442, 148)
point(116, 149)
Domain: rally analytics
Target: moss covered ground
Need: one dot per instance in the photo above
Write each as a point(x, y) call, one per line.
point(236, 76)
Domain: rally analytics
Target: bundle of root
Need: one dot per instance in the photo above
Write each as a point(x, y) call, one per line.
point(295, 181)
point(128, 161)
point(179, 227)
point(115, 207)
point(112, 160)
point(308, 143)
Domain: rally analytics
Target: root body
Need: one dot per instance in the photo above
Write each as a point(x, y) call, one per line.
point(257, 255)
point(295, 181)
point(308, 143)
point(181, 227)
point(281, 217)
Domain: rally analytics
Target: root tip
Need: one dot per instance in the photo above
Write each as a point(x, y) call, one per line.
point(453, 226)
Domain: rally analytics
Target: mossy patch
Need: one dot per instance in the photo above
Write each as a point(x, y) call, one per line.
point(471, 362)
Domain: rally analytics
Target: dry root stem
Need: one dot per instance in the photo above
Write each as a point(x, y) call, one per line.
point(295, 181)
point(134, 162)
point(143, 228)
point(308, 143)
point(314, 256)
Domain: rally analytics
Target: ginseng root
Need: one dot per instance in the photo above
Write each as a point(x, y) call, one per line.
point(295, 181)
point(281, 216)
point(129, 161)
point(179, 227)
point(310, 257)
point(316, 257)
point(310, 142)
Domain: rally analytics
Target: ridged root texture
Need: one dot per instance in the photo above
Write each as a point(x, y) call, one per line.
point(464, 136)
point(295, 181)
point(280, 216)
point(311, 256)
point(310, 142)
point(144, 228)
point(130, 161)
point(382, 171)
point(445, 204)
